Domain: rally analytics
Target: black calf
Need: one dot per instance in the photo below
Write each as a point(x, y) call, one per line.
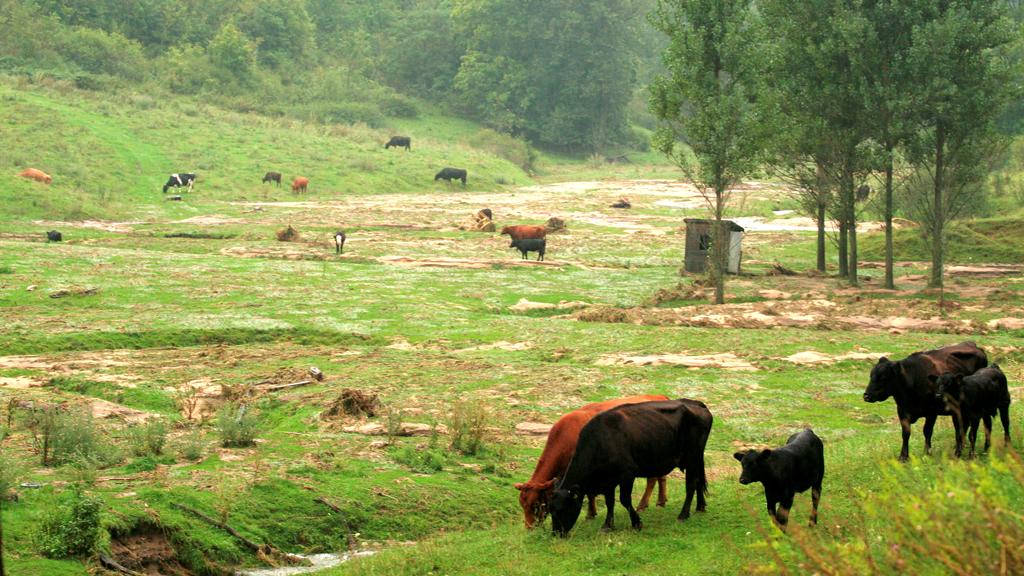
point(272, 177)
point(527, 245)
point(783, 472)
point(976, 397)
point(54, 236)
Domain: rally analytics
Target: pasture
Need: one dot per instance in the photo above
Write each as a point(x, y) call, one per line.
point(436, 320)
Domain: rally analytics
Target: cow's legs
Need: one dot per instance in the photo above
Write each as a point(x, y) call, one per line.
point(815, 498)
point(988, 432)
point(1004, 417)
point(905, 426)
point(973, 435)
point(958, 428)
point(626, 498)
point(609, 501)
point(645, 499)
point(662, 491)
point(591, 506)
point(929, 425)
point(691, 487)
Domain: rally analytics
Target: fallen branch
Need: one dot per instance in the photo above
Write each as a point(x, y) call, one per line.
point(262, 550)
point(274, 387)
point(111, 564)
point(348, 525)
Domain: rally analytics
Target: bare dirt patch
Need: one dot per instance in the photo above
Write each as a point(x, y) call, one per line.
point(115, 227)
point(525, 305)
point(499, 345)
point(104, 409)
point(147, 550)
point(471, 263)
point(810, 357)
point(20, 382)
point(725, 361)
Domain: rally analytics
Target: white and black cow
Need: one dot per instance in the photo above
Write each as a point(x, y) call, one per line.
point(339, 241)
point(179, 180)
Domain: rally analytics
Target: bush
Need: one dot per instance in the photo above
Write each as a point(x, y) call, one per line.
point(237, 426)
point(148, 439)
point(963, 521)
point(351, 113)
point(468, 425)
point(98, 52)
point(424, 460)
point(63, 436)
point(399, 107)
point(70, 530)
point(191, 446)
point(515, 150)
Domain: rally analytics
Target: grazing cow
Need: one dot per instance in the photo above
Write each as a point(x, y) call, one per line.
point(908, 382)
point(783, 472)
point(299, 184)
point(527, 245)
point(450, 174)
point(977, 397)
point(554, 461)
point(525, 231)
point(179, 180)
point(646, 440)
point(272, 177)
point(622, 203)
point(54, 236)
point(35, 174)
point(400, 142)
point(863, 192)
point(339, 241)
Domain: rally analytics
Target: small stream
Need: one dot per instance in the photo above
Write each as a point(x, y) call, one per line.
point(318, 562)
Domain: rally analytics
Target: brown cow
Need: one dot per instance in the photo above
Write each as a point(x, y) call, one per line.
point(524, 231)
point(37, 175)
point(554, 461)
point(299, 184)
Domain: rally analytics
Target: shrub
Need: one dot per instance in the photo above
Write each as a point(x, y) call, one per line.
point(515, 150)
point(399, 107)
point(424, 460)
point(191, 446)
point(237, 426)
point(962, 521)
point(62, 436)
point(71, 529)
point(98, 52)
point(147, 439)
point(467, 425)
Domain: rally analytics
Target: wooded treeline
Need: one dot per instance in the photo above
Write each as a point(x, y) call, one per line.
point(559, 73)
point(909, 97)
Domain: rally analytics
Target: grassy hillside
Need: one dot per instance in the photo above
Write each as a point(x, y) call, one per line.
point(109, 154)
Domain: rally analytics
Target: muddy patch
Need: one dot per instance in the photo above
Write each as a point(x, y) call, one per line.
point(105, 409)
point(147, 550)
point(499, 345)
point(725, 361)
point(20, 382)
point(811, 357)
point(525, 305)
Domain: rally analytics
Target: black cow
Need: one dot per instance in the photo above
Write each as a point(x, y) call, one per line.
point(339, 241)
point(179, 180)
point(977, 397)
point(54, 236)
point(783, 472)
point(272, 177)
point(450, 174)
point(527, 245)
point(908, 382)
point(622, 203)
point(646, 440)
point(400, 142)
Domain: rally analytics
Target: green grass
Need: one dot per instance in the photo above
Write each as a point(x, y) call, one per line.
point(990, 240)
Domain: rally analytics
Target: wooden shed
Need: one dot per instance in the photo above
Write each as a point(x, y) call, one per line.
point(698, 244)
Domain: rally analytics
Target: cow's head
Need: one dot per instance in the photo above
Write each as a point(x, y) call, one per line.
point(754, 463)
point(946, 385)
point(884, 376)
point(506, 230)
point(533, 497)
point(565, 506)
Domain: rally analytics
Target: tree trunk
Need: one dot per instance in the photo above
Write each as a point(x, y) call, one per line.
point(821, 236)
point(2, 496)
point(843, 262)
point(853, 252)
point(890, 282)
point(849, 202)
point(938, 211)
point(719, 249)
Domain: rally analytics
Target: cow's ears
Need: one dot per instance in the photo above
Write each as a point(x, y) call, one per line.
point(547, 485)
point(739, 456)
point(883, 360)
point(520, 485)
point(933, 378)
point(765, 453)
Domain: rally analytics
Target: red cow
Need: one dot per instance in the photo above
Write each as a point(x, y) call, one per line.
point(299, 184)
point(37, 175)
point(525, 231)
point(554, 461)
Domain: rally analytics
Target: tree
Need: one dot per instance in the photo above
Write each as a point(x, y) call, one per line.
point(282, 30)
point(233, 54)
point(559, 72)
point(958, 63)
point(711, 125)
point(815, 82)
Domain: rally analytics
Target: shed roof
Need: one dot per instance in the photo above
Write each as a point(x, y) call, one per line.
point(732, 225)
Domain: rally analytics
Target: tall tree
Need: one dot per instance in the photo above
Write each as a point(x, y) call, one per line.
point(711, 126)
point(815, 81)
point(557, 71)
point(958, 62)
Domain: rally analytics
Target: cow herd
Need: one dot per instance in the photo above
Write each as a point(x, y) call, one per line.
point(607, 445)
